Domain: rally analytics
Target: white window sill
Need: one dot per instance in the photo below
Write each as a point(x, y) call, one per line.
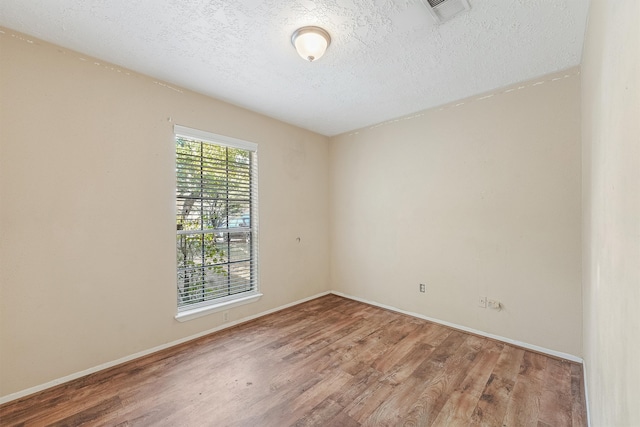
point(185, 315)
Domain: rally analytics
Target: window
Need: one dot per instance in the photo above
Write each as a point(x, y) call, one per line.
point(216, 222)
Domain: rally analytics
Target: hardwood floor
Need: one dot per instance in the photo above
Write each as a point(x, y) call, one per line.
point(327, 362)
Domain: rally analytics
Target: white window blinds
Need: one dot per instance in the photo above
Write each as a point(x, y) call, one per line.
point(216, 218)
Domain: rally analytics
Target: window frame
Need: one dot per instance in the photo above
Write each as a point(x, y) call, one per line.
point(202, 308)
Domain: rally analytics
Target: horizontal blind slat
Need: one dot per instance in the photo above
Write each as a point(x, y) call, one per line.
point(216, 187)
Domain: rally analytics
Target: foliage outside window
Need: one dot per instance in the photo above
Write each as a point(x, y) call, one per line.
point(216, 216)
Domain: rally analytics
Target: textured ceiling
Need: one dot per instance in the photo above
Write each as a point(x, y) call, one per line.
point(387, 59)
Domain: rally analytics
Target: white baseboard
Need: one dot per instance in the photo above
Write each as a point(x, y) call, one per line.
point(536, 348)
point(586, 393)
point(76, 375)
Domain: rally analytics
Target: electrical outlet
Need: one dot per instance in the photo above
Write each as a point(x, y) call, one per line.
point(423, 287)
point(225, 316)
point(482, 302)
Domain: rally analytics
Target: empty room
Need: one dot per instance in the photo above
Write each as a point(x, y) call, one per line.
point(327, 213)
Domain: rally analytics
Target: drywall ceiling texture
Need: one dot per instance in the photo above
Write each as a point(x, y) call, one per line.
point(387, 58)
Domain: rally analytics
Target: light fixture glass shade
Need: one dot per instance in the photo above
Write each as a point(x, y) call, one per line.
point(311, 42)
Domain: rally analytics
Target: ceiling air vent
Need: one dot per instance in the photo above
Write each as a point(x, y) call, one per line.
point(444, 10)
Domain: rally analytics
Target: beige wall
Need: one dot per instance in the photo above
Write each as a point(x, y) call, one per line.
point(611, 170)
point(87, 256)
point(476, 199)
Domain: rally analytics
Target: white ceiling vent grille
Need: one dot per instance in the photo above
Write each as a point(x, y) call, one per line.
point(444, 10)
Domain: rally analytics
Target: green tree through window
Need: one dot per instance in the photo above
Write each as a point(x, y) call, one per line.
point(215, 221)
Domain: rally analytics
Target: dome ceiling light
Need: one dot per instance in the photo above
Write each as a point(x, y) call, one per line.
point(310, 42)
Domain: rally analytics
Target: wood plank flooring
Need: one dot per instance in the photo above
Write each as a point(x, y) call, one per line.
point(328, 362)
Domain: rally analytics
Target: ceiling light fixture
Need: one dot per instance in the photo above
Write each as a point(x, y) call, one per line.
point(310, 42)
